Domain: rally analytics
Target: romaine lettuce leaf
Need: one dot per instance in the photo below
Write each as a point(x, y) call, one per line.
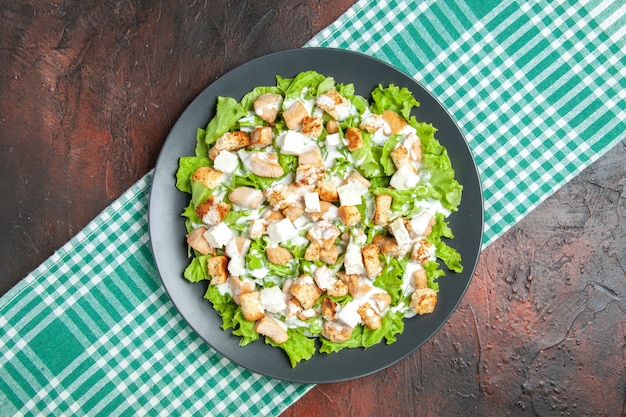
point(232, 317)
point(450, 256)
point(355, 341)
point(197, 269)
point(392, 324)
point(247, 102)
point(187, 165)
point(365, 157)
point(227, 114)
point(298, 347)
point(393, 98)
point(307, 79)
point(435, 158)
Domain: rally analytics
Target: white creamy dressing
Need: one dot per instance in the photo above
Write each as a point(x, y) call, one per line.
point(353, 262)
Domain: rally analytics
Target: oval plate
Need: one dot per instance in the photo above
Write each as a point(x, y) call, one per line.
point(167, 228)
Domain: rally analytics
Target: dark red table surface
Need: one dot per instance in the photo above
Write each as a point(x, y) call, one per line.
point(88, 93)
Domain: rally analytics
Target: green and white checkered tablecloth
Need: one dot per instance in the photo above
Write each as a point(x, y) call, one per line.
point(539, 90)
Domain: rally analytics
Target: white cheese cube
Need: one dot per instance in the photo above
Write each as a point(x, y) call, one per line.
point(353, 261)
point(404, 179)
point(349, 314)
point(273, 299)
point(226, 162)
point(218, 235)
point(350, 194)
point(333, 140)
point(281, 231)
point(399, 232)
point(294, 143)
point(312, 202)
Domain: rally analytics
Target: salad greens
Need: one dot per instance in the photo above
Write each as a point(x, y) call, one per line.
point(316, 214)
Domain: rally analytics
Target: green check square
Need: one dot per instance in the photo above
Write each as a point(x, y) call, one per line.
point(46, 345)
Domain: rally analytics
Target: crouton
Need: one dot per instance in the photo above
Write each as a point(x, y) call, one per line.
point(349, 215)
point(336, 331)
point(312, 126)
point(278, 255)
point(333, 103)
point(329, 308)
point(212, 211)
point(389, 246)
point(266, 106)
point(327, 191)
point(208, 176)
point(196, 240)
point(306, 291)
point(353, 136)
point(265, 164)
point(217, 269)
point(329, 255)
point(382, 210)
point(394, 120)
point(370, 260)
point(267, 326)
point(294, 114)
point(238, 287)
point(423, 301)
point(229, 141)
point(281, 196)
point(324, 233)
point(400, 157)
point(251, 306)
point(311, 168)
point(423, 251)
point(369, 316)
point(293, 212)
point(332, 126)
point(246, 197)
point(312, 252)
point(261, 137)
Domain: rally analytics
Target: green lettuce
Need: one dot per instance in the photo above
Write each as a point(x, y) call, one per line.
point(197, 269)
point(247, 102)
point(187, 165)
point(232, 317)
point(392, 324)
point(435, 158)
point(367, 156)
point(227, 114)
point(307, 79)
point(298, 347)
point(450, 256)
point(393, 98)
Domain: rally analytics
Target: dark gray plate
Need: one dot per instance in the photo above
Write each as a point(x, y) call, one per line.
point(167, 226)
